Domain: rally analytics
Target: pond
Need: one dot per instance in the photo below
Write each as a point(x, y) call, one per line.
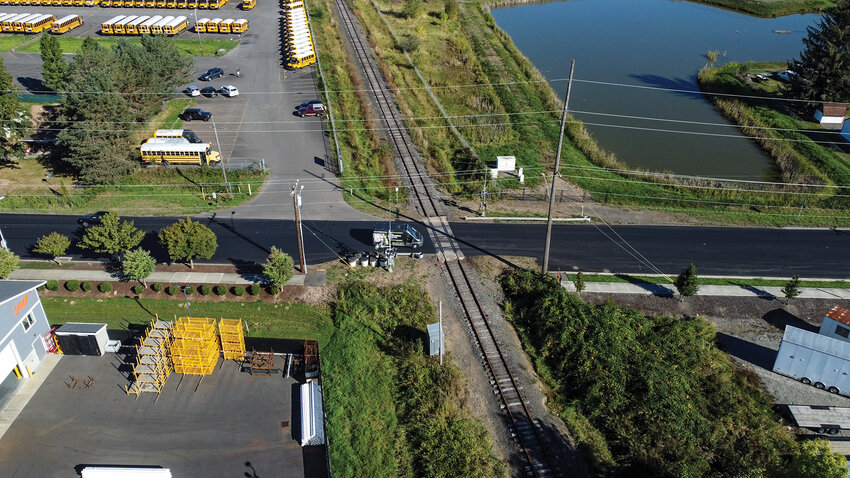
point(635, 77)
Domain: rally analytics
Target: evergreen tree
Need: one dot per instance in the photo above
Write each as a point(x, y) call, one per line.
point(688, 283)
point(53, 65)
point(792, 288)
point(15, 121)
point(823, 70)
point(278, 267)
point(579, 282)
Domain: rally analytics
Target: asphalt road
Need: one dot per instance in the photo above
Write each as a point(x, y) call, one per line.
point(626, 249)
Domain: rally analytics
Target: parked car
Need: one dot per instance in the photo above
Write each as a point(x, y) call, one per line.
point(209, 91)
point(212, 74)
point(192, 90)
point(309, 103)
point(229, 91)
point(92, 219)
point(190, 114)
point(311, 110)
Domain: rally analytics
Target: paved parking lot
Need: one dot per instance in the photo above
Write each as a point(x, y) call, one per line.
point(257, 125)
point(231, 419)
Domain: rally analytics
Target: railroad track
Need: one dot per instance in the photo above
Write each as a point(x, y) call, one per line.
point(523, 426)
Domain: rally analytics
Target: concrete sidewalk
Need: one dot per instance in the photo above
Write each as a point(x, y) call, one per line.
point(708, 290)
point(164, 277)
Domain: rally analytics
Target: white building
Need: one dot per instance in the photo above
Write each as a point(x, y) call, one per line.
point(24, 332)
point(836, 324)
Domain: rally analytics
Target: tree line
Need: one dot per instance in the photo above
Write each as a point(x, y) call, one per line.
point(106, 94)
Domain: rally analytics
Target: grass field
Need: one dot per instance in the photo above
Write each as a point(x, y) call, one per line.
point(290, 321)
point(7, 42)
point(184, 45)
point(630, 279)
point(168, 118)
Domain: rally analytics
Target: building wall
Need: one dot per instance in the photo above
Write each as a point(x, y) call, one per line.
point(834, 329)
point(29, 343)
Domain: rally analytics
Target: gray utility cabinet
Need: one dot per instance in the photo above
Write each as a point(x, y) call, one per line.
point(814, 359)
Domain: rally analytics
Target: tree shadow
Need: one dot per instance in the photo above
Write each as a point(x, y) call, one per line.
point(248, 270)
point(33, 85)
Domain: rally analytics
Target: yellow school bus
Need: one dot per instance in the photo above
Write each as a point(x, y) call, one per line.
point(132, 28)
point(150, 3)
point(203, 4)
point(248, 4)
point(145, 27)
point(175, 26)
point(167, 151)
point(212, 25)
point(91, 3)
point(8, 23)
point(301, 58)
point(239, 26)
point(105, 3)
point(181, 3)
point(106, 27)
point(118, 3)
point(191, 3)
point(201, 25)
point(39, 23)
point(66, 24)
point(215, 4)
point(225, 25)
point(18, 25)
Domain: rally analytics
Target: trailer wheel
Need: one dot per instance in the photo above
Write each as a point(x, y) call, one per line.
point(806, 381)
point(819, 386)
point(833, 390)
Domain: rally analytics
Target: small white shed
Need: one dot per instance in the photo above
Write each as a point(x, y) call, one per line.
point(836, 324)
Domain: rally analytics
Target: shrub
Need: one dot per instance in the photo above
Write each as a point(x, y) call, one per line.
point(189, 290)
point(52, 285)
point(85, 286)
point(254, 289)
point(156, 287)
point(411, 8)
point(278, 267)
point(72, 285)
point(452, 9)
point(138, 289)
point(205, 289)
point(274, 289)
point(172, 290)
point(220, 290)
point(238, 291)
point(408, 43)
point(104, 287)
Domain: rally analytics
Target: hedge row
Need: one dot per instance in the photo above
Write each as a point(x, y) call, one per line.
point(172, 290)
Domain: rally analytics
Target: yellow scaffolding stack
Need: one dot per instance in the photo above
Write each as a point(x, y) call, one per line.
point(152, 366)
point(232, 339)
point(195, 348)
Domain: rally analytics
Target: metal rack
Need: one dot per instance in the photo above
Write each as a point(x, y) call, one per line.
point(195, 348)
point(232, 339)
point(152, 366)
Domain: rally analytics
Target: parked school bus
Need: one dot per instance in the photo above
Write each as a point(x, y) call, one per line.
point(186, 134)
point(20, 24)
point(175, 26)
point(302, 59)
point(182, 4)
point(201, 25)
point(178, 151)
point(203, 3)
point(150, 3)
point(212, 25)
point(132, 28)
point(156, 28)
point(66, 24)
point(39, 23)
point(8, 24)
point(4, 16)
point(105, 3)
point(136, 3)
point(106, 27)
point(91, 3)
point(239, 26)
point(120, 28)
point(145, 26)
point(170, 3)
point(224, 26)
point(248, 4)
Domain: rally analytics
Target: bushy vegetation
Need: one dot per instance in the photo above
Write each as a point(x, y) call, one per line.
point(85, 286)
point(52, 285)
point(72, 285)
point(651, 396)
point(402, 414)
point(254, 289)
point(156, 287)
point(238, 290)
point(138, 289)
point(205, 289)
point(105, 287)
point(220, 290)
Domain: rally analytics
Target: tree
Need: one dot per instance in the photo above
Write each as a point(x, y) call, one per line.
point(9, 261)
point(688, 283)
point(112, 235)
point(138, 265)
point(815, 459)
point(15, 122)
point(792, 288)
point(823, 70)
point(411, 8)
point(579, 282)
point(278, 267)
point(452, 9)
point(186, 240)
point(54, 68)
point(53, 245)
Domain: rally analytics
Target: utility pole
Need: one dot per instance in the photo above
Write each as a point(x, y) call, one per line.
point(221, 158)
point(296, 203)
point(557, 167)
point(200, 43)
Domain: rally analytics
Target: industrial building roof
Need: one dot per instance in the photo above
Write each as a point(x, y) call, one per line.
point(839, 314)
point(9, 289)
point(815, 341)
point(79, 328)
